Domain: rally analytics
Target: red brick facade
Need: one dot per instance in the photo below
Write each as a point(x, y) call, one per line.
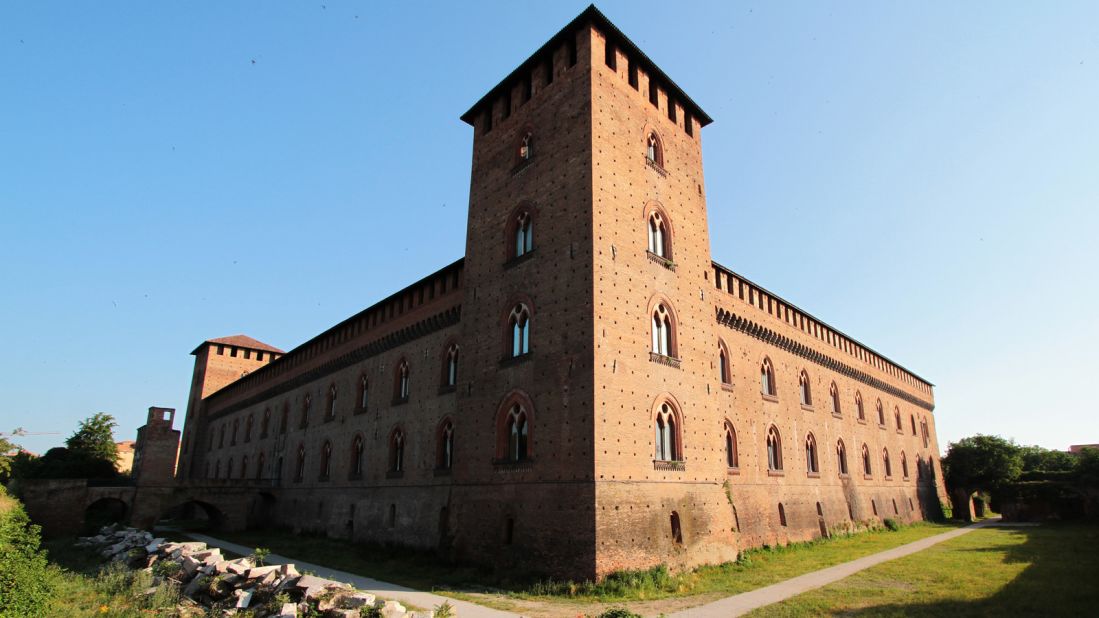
point(587, 483)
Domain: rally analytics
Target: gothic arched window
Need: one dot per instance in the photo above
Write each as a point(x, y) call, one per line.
point(804, 389)
point(402, 381)
point(654, 152)
point(811, 465)
point(668, 447)
point(524, 234)
point(450, 375)
point(774, 449)
point(841, 457)
point(834, 394)
point(444, 457)
point(866, 469)
point(519, 330)
point(326, 460)
point(517, 430)
point(659, 244)
point(767, 378)
point(663, 332)
point(357, 450)
point(732, 457)
point(396, 451)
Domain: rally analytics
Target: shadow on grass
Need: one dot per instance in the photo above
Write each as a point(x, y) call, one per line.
point(1060, 579)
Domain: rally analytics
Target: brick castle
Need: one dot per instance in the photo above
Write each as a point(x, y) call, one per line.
point(586, 390)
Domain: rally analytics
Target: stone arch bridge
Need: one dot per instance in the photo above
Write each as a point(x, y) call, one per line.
point(65, 506)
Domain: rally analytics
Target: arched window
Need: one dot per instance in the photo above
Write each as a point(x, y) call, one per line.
point(919, 467)
point(450, 372)
point(866, 469)
point(781, 515)
point(925, 432)
point(260, 461)
point(677, 529)
point(767, 378)
point(229, 469)
point(881, 414)
point(834, 395)
point(888, 464)
point(805, 389)
point(364, 392)
point(897, 418)
point(306, 403)
point(904, 466)
point(221, 436)
point(658, 236)
point(396, 451)
point(811, 465)
point(248, 428)
point(244, 467)
point(858, 407)
point(326, 461)
point(402, 381)
point(654, 152)
point(774, 449)
point(526, 147)
point(667, 446)
point(912, 417)
point(519, 330)
point(841, 457)
point(732, 456)
point(663, 334)
point(723, 370)
point(299, 471)
point(265, 424)
point(357, 450)
point(444, 456)
point(524, 234)
point(217, 469)
point(333, 392)
point(516, 429)
point(233, 437)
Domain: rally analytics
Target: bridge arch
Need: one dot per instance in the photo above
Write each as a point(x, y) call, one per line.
point(104, 512)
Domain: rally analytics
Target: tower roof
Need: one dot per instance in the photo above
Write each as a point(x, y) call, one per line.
point(596, 18)
point(240, 341)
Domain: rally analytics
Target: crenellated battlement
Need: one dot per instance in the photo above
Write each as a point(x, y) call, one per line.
point(784, 311)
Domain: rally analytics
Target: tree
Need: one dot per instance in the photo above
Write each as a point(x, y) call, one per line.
point(979, 463)
point(94, 439)
point(1038, 459)
point(8, 451)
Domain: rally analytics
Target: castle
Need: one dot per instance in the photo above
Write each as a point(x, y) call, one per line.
point(584, 391)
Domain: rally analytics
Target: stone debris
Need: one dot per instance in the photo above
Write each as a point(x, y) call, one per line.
point(208, 579)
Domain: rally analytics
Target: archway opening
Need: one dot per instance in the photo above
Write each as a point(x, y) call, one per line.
point(191, 516)
point(104, 512)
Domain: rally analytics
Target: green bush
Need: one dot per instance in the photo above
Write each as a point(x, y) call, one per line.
point(25, 578)
point(891, 524)
point(619, 612)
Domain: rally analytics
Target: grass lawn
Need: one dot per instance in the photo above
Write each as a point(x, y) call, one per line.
point(82, 589)
point(1051, 570)
point(646, 588)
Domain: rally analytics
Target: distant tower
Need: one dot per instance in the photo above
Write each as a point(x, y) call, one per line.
point(218, 363)
point(156, 448)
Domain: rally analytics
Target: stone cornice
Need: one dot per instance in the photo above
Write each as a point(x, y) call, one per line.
point(770, 337)
point(424, 327)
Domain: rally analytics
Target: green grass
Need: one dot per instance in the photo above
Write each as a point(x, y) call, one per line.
point(424, 571)
point(84, 587)
point(1050, 570)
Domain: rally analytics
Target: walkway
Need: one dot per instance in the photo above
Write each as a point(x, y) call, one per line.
point(745, 602)
point(735, 605)
point(385, 590)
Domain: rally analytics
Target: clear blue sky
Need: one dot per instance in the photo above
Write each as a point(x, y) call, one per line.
point(922, 176)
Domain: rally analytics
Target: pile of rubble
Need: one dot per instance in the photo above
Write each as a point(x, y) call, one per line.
point(239, 586)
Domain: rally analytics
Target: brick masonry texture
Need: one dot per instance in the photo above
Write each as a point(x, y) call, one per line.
point(591, 498)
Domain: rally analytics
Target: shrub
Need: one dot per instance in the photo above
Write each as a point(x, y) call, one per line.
point(891, 524)
point(25, 578)
point(445, 610)
point(166, 568)
point(259, 555)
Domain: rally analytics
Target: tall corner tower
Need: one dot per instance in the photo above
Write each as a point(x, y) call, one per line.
point(574, 153)
point(218, 363)
point(156, 448)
